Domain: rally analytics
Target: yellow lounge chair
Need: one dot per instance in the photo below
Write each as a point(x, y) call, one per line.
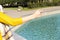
point(0, 36)
point(9, 20)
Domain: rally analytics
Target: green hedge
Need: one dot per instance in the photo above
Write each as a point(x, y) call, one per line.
point(34, 5)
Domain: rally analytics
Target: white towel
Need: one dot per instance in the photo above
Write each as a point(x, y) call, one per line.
point(5, 31)
point(1, 8)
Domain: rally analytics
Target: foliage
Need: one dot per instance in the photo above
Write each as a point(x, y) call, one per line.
point(31, 3)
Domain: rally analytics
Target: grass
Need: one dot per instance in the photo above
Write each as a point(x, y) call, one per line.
point(25, 8)
point(11, 8)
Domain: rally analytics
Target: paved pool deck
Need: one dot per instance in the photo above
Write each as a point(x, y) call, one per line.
point(44, 14)
point(47, 11)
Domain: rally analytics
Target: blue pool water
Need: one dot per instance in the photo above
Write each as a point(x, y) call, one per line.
point(44, 28)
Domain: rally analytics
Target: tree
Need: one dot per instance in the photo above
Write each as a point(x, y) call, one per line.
point(31, 3)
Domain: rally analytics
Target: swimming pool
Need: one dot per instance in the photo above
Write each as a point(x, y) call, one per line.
point(44, 28)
